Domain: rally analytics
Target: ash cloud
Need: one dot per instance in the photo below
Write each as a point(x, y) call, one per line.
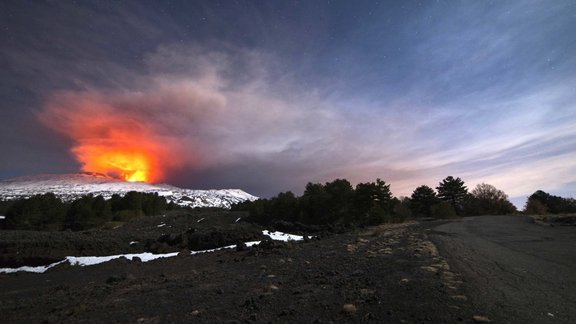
point(193, 113)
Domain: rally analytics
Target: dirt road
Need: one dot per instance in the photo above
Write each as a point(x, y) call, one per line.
point(516, 271)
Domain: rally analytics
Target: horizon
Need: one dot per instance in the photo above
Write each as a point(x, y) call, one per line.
point(266, 97)
point(518, 204)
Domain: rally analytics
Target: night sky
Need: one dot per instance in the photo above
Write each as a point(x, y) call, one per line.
point(269, 95)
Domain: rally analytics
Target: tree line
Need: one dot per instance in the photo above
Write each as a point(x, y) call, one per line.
point(48, 212)
point(541, 203)
point(335, 202)
point(372, 203)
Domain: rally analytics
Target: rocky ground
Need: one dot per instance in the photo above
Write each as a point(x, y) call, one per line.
point(173, 231)
point(555, 220)
point(390, 273)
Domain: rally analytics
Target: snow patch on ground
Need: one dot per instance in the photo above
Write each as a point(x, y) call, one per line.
point(279, 236)
point(145, 257)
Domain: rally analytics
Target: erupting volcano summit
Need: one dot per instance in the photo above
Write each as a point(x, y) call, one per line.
point(73, 186)
point(124, 164)
point(112, 139)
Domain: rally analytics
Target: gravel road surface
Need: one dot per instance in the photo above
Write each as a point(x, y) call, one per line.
point(515, 270)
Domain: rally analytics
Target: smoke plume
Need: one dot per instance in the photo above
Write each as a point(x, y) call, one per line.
point(134, 136)
point(193, 109)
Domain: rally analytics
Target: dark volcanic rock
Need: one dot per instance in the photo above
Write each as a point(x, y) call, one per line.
point(217, 237)
point(272, 282)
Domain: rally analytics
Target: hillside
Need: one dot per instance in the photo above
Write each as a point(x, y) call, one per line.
point(72, 186)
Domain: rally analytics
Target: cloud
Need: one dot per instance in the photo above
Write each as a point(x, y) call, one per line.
point(482, 91)
point(197, 109)
point(222, 116)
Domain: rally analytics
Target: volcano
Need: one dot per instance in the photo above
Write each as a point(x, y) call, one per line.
point(73, 186)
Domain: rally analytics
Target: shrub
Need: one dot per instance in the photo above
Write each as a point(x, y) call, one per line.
point(534, 207)
point(36, 213)
point(127, 214)
point(443, 210)
point(402, 211)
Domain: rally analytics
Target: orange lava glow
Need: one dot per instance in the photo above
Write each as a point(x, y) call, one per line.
point(113, 141)
point(123, 163)
point(130, 157)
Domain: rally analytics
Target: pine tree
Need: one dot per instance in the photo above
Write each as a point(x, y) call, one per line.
point(422, 200)
point(453, 191)
point(372, 202)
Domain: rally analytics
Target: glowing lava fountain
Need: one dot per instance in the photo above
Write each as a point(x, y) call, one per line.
point(125, 164)
point(114, 138)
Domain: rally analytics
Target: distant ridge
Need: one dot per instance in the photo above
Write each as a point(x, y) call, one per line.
point(72, 186)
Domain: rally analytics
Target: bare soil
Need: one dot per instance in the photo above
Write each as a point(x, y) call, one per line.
point(390, 273)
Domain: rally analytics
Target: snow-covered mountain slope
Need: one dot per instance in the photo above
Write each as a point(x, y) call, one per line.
point(71, 186)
